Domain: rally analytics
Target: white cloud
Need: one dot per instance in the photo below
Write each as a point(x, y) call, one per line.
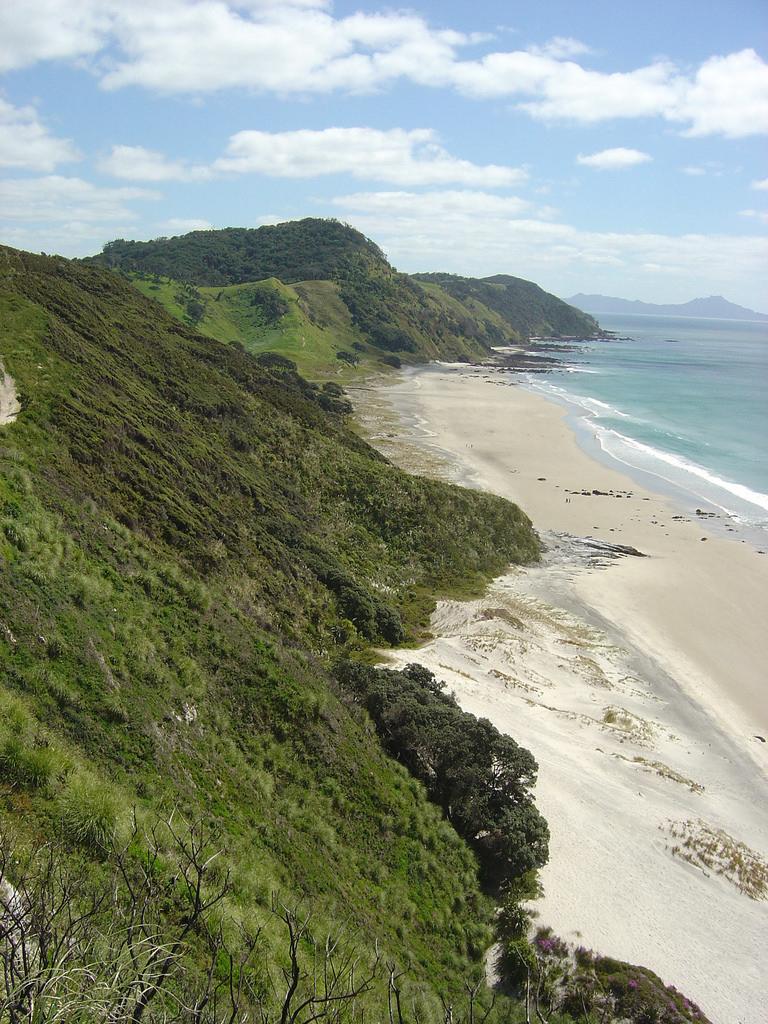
point(69, 216)
point(25, 142)
point(727, 96)
point(300, 47)
point(568, 91)
point(759, 215)
point(561, 47)
point(761, 186)
point(447, 205)
point(135, 163)
point(710, 168)
point(397, 156)
point(258, 5)
point(401, 157)
point(204, 46)
point(181, 225)
point(479, 234)
point(51, 30)
point(54, 199)
point(614, 159)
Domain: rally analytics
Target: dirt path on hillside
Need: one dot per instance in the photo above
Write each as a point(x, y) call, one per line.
point(9, 402)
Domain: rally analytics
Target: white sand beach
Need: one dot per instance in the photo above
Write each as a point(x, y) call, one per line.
point(640, 685)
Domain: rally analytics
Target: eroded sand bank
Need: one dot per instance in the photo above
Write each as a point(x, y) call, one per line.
point(9, 401)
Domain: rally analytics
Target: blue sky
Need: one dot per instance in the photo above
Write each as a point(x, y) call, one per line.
point(601, 147)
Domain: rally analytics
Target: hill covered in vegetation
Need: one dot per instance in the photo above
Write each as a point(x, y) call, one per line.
point(191, 540)
point(320, 291)
point(523, 305)
point(211, 807)
point(298, 250)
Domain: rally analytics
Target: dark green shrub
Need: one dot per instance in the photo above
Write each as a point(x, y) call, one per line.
point(479, 777)
point(519, 960)
point(513, 921)
point(348, 357)
point(391, 338)
point(274, 361)
point(389, 624)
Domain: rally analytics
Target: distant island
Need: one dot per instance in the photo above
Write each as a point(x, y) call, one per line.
point(715, 306)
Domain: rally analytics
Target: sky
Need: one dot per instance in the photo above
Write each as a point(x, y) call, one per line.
point(610, 147)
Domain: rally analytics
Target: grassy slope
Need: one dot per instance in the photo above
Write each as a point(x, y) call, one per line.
point(315, 327)
point(471, 316)
point(317, 324)
point(169, 511)
point(521, 304)
point(416, 318)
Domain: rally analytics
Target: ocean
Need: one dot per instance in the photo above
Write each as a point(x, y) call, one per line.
point(683, 406)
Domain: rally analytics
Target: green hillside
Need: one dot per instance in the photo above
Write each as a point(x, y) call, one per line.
point(366, 311)
point(298, 250)
point(191, 540)
point(306, 322)
point(391, 314)
point(212, 807)
point(522, 305)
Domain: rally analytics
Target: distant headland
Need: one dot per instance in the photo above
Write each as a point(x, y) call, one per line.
point(714, 306)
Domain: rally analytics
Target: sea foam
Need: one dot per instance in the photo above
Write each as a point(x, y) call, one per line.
point(607, 439)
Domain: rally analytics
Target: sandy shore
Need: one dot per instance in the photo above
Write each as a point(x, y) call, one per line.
point(639, 685)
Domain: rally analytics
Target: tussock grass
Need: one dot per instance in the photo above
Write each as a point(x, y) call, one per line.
point(626, 723)
point(27, 758)
point(713, 850)
point(90, 811)
point(27, 765)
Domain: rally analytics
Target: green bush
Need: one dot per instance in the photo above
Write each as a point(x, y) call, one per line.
point(27, 760)
point(89, 812)
point(480, 778)
point(17, 536)
point(27, 765)
point(88, 590)
point(519, 959)
point(513, 921)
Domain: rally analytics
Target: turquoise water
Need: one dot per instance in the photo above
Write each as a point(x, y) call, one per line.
point(685, 401)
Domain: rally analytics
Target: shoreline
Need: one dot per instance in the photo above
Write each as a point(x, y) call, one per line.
point(701, 597)
point(722, 521)
point(636, 684)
